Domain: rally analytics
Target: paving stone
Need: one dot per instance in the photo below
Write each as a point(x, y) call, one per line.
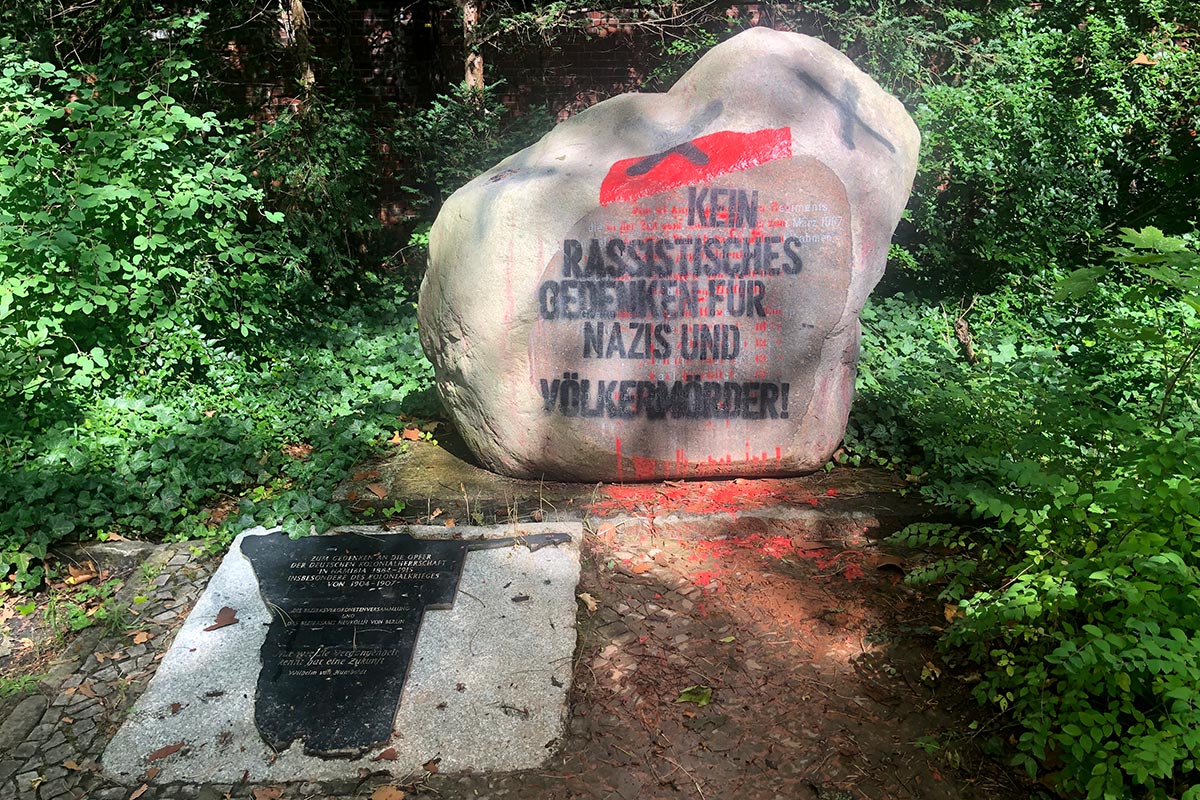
point(128, 668)
point(41, 732)
point(25, 781)
point(53, 773)
point(21, 721)
point(82, 727)
point(83, 709)
point(59, 754)
point(8, 769)
point(25, 750)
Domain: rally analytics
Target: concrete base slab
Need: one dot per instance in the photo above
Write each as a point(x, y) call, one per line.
point(486, 691)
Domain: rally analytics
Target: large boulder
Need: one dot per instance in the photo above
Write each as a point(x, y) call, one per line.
point(669, 285)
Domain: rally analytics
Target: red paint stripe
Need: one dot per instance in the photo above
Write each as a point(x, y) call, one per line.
point(723, 152)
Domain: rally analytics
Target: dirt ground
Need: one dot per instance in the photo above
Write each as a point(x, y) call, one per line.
point(735, 642)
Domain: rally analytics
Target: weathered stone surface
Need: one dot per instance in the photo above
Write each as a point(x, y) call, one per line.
point(668, 285)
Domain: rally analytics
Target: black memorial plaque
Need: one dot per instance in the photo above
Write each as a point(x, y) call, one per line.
point(345, 613)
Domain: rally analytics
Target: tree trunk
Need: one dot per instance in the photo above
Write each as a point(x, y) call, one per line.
point(296, 24)
point(473, 62)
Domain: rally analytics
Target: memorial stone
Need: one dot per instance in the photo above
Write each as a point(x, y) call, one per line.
point(669, 285)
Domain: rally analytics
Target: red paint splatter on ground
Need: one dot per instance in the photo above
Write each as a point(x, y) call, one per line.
point(695, 497)
point(844, 563)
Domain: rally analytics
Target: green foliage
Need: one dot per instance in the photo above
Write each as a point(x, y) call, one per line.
point(455, 138)
point(1072, 446)
point(320, 174)
point(166, 455)
point(72, 610)
point(1041, 123)
point(19, 684)
point(180, 294)
point(126, 231)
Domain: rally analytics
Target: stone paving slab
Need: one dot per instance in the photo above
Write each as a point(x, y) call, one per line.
point(487, 688)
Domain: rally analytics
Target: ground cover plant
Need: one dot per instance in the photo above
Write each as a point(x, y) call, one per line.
point(188, 346)
point(1071, 447)
point(198, 331)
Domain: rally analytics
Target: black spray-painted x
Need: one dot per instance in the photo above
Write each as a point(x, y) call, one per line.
point(688, 150)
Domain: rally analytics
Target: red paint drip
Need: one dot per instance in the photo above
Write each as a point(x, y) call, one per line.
point(697, 161)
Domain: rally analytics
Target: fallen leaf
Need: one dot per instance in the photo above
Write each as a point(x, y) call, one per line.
point(638, 569)
point(386, 755)
point(100, 657)
point(1144, 60)
point(152, 773)
point(590, 602)
point(268, 793)
point(388, 793)
point(86, 690)
point(831, 492)
point(431, 766)
point(951, 612)
point(298, 451)
point(727, 639)
point(449, 523)
point(430, 427)
point(395, 438)
point(412, 434)
point(377, 489)
point(365, 475)
point(81, 573)
point(176, 708)
point(138, 792)
point(699, 694)
point(930, 672)
point(225, 617)
point(437, 512)
point(209, 413)
point(68, 720)
point(890, 563)
point(607, 531)
point(114, 537)
point(71, 765)
point(363, 774)
point(141, 637)
point(163, 752)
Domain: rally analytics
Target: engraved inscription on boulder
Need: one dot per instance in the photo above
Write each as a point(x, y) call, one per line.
point(345, 614)
point(669, 285)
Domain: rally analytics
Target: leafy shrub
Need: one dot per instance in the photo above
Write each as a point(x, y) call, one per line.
point(1078, 584)
point(455, 138)
point(318, 169)
point(1042, 123)
point(130, 231)
point(262, 440)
